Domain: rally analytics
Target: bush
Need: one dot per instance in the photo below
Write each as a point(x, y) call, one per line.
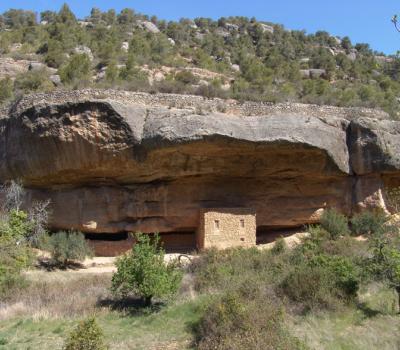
point(77, 70)
point(86, 336)
point(186, 77)
point(17, 225)
point(309, 287)
point(368, 223)
point(323, 282)
point(235, 322)
point(14, 257)
point(33, 81)
point(280, 246)
point(6, 89)
point(143, 272)
point(334, 223)
point(67, 246)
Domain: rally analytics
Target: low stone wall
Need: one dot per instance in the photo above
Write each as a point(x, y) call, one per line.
point(198, 104)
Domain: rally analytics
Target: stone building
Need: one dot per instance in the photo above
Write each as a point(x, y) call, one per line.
point(226, 228)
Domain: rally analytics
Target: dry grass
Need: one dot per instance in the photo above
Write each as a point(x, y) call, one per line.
point(57, 295)
point(373, 325)
point(41, 316)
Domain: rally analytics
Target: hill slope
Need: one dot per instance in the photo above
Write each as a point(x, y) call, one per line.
point(229, 58)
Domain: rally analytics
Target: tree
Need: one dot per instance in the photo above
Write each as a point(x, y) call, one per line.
point(19, 18)
point(65, 15)
point(48, 16)
point(95, 15)
point(6, 89)
point(385, 261)
point(126, 16)
point(65, 247)
point(144, 273)
point(112, 72)
point(76, 70)
point(14, 194)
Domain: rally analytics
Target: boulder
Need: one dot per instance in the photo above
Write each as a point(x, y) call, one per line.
point(113, 165)
point(55, 79)
point(81, 49)
point(267, 28)
point(149, 26)
point(125, 46)
point(317, 73)
point(11, 68)
point(35, 66)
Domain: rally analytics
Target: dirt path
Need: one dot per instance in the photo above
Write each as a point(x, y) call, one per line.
point(100, 265)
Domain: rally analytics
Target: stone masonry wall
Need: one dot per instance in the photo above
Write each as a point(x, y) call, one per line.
point(198, 104)
point(227, 228)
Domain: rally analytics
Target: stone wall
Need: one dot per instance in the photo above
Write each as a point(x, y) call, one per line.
point(227, 228)
point(197, 104)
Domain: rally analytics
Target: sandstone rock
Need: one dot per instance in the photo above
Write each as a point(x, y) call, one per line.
point(267, 28)
point(317, 73)
point(352, 56)
point(11, 68)
point(81, 49)
point(111, 166)
point(125, 46)
point(55, 79)
point(235, 67)
point(149, 26)
point(35, 66)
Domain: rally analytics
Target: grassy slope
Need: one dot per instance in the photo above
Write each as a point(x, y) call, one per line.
point(40, 319)
point(168, 329)
point(375, 325)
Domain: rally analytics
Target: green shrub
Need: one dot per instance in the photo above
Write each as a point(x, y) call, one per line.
point(86, 336)
point(76, 71)
point(33, 81)
point(67, 246)
point(14, 257)
point(6, 89)
point(220, 270)
point(309, 287)
point(334, 223)
point(16, 226)
point(186, 77)
point(344, 271)
point(143, 272)
point(368, 223)
point(280, 246)
point(322, 282)
point(236, 322)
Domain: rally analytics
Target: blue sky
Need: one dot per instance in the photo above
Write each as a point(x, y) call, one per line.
point(362, 20)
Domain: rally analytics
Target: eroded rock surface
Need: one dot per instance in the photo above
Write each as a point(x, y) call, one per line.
point(116, 164)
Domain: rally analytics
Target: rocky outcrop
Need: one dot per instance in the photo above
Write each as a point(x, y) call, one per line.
point(118, 162)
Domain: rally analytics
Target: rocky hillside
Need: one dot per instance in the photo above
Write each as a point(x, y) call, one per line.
point(235, 57)
point(119, 161)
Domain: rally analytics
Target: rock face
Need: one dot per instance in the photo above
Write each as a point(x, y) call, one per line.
point(139, 163)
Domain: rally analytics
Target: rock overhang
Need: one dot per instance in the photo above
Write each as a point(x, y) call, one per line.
point(152, 166)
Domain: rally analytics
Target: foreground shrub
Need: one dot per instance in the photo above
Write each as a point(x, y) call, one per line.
point(14, 256)
point(143, 272)
point(334, 223)
point(236, 322)
point(368, 223)
point(384, 263)
point(221, 270)
point(86, 336)
point(322, 282)
point(65, 247)
point(6, 89)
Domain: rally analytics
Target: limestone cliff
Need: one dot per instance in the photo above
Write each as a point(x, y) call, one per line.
point(116, 161)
